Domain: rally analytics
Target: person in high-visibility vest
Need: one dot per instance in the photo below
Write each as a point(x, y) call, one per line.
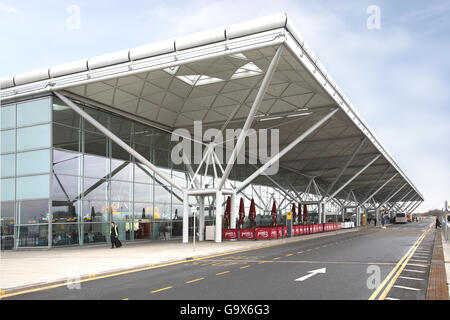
point(114, 235)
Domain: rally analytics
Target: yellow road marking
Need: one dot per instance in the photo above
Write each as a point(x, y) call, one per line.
point(244, 267)
point(166, 288)
point(299, 251)
point(221, 273)
point(289, 254)
point(381, 286)
point(388, 288)
point(276, 258)
point(309, 250)
point(150, 267)
point(195, 280)
point(126, 299)
point(317, 248)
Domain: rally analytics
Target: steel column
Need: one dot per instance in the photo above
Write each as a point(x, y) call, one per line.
point(117, 140)
point(259, 97)
point(352, 178)
point(285, 150)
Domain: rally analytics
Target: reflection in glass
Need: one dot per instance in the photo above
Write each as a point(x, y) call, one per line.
point(7, 225)
point(95, 144)
point(94, 232)
point(66, 137)
point(64, 234)
point(143, 192)
point(121, 170)
point(142, 174)
point(95, 211)
point(32, 211)
point(31, 236)
point(95, 166)
point(65, 162)
point(64, 114)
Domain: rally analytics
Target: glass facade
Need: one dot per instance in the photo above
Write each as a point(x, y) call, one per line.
point(25, 173)
point(63, 182)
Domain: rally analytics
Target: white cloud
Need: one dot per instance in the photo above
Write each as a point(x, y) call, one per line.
point(6, 8)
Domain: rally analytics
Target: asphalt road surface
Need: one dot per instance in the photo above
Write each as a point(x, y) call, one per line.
point(391, 263)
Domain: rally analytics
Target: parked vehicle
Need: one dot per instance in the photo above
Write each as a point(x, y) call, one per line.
point(400, 218)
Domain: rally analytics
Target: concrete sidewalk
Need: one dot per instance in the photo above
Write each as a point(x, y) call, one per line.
point(27, 269)
point(446, 249)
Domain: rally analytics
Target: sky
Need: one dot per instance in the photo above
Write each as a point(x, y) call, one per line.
point(393, 64)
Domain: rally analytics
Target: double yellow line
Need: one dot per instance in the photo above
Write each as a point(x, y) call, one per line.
point(395, 273)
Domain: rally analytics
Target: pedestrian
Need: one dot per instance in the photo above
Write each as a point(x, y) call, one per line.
point(438, 223)
point(114, 236)
point(383, 220)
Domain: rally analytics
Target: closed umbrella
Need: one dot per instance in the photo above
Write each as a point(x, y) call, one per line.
point(300, 217)
point(241, 212)
point(305, 213)
point(252, 213)
point(274, 213)
point(293, 213)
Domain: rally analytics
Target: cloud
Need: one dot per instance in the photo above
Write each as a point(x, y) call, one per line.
point(6, 8)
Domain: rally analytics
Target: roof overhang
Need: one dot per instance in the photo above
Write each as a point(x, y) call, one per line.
point(209, 75)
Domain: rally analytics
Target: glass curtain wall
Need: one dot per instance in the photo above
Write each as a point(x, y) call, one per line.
point(25, 173)
point(55, 165)
point(96, 182)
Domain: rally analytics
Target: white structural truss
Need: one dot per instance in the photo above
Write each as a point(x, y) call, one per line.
point(257, 75)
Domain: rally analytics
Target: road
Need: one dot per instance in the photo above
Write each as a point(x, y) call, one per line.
point(339, 266)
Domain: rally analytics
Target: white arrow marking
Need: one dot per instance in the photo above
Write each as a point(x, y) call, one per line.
point(311, 273)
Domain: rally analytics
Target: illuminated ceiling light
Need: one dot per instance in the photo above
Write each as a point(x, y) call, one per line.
point(271, 118)
point(298, 114)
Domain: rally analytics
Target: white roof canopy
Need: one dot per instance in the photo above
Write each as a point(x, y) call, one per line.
point(211, 75)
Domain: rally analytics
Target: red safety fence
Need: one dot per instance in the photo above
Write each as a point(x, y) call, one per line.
point(278, 231)
point(247, 233)
point(229, 234)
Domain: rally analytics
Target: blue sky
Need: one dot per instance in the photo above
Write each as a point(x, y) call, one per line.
point(397, 77)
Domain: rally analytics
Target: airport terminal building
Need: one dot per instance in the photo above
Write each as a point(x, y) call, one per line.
point(92, 141)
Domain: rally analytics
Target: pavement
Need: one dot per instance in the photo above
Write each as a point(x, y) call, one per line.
point(24, 269)
point(446, 250)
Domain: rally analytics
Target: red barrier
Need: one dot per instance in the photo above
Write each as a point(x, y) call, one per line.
point(262, 233)
point(229, 234)
point(280, 232)
point(273, 232)
point(247, 233)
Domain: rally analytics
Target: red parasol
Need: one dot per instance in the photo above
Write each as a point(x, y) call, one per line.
point(300, 218)
point(305, 213)
point(293, 213)
point(241, 212)
point(252, 212)
point(274, 212)
point(228, 210)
